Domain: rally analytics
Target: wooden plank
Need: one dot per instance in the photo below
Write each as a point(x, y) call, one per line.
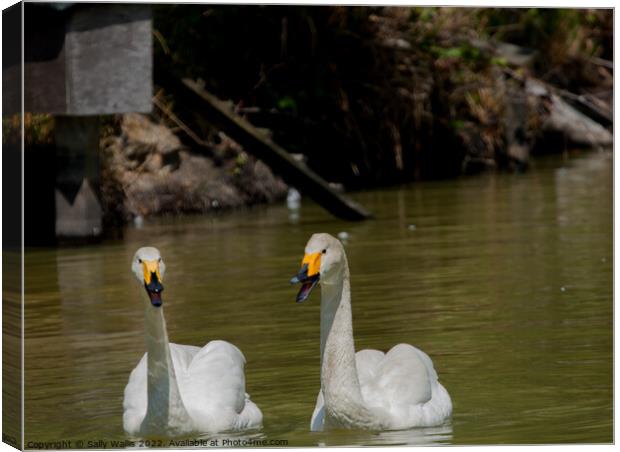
point(88, 59)
point(109, 59)
point(277, 158)
point(44, 59)
point(78, 209)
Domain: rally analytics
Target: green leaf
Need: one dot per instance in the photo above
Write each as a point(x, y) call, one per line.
point(287, 103)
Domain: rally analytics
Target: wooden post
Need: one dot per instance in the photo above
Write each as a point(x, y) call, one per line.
point(78, 208)
point(81, 60)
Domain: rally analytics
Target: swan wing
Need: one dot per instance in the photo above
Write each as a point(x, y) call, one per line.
point(403, 383)
point(423, 401)
point(183, 355)
point(406, 376)
point(368, 364)
point(213, 389)
point(135, 398)
point(212, 385)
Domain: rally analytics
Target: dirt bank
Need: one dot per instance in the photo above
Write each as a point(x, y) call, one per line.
point(148, 171)
point(374, 96)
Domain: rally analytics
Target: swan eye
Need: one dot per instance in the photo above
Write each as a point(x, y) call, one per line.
point(324, 251)
point(139, 261)
point(159, 260)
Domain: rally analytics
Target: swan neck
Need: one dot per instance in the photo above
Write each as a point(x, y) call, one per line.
point(157, 344)
point(164, 397)
point(335, 302)
point(339, 379)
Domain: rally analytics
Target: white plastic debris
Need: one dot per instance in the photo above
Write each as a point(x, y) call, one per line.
point(138, 221)
point(293, 199)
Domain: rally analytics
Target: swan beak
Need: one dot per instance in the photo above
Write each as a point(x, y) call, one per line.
point(308, 276)
point(152, 282)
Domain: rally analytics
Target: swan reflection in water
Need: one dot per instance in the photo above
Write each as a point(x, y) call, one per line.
point(421, 436)
point(223, 439)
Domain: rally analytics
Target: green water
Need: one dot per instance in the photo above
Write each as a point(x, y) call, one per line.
point(505, 280)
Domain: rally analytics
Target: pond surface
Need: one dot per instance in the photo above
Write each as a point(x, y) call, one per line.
point(505, 280)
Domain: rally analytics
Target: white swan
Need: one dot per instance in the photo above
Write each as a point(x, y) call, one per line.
point(180, 389)
point(368, 389)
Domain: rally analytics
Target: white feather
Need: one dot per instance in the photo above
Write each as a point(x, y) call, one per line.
point(211, 381)
point(193, 389)
point(368, 389)
point(401, 382)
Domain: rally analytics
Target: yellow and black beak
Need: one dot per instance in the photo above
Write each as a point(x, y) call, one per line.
point(152, 282)
point(308, 276)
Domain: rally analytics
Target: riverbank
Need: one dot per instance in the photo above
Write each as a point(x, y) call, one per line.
point(373, 96)
point(365, 96)
point(148, 171)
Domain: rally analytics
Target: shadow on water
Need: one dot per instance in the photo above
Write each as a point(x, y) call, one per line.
point(504, 280)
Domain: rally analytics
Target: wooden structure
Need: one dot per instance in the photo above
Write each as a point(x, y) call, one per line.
point(81, 60)
point(87, 59)
point(84, 60)
point(198, 100)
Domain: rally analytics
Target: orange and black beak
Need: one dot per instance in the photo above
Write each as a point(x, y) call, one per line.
point(308, 276)
point(152, 282)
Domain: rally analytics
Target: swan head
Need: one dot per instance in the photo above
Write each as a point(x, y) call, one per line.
point(324, 259)
point(149, 269)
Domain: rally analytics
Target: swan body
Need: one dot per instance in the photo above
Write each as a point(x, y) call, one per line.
point(181, 389)
point(368, 389)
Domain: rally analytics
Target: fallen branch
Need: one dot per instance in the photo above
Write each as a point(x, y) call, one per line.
point(588, 108)
point(601, 62)
point(580, 102)
point(578, 128)
point(193, 96)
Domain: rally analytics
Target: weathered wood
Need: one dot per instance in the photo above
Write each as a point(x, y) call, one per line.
point(79, 61)
point(78, 209)
point(577, 128)
point(87, 59)
point(294, 173)
point(584, 105)
point(109, 59)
